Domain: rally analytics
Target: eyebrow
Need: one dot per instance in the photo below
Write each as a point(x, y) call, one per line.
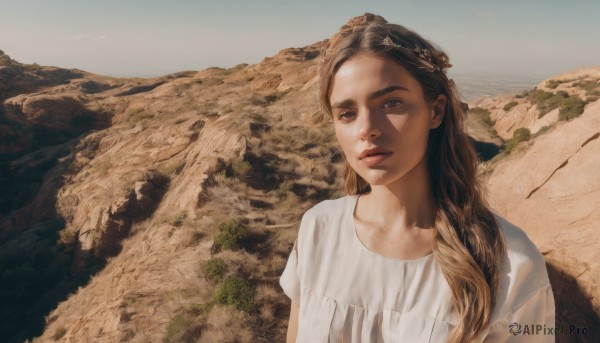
point(348, 103)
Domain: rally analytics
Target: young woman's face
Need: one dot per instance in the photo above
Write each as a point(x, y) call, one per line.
point(376, 102)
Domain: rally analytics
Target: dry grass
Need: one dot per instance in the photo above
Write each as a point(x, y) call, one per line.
point(157, 278)
point(226, 324)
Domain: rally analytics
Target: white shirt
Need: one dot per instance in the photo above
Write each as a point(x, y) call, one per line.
point(348, 293)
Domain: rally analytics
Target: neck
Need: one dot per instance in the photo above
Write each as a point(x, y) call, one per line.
point(407, 203)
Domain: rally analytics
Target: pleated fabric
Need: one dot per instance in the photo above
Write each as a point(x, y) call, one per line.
point(348, 293)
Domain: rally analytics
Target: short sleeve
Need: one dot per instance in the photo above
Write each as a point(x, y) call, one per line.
point(533, 320)
point(289, 281)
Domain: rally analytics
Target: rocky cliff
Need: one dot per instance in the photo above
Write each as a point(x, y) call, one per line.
point(548, 184)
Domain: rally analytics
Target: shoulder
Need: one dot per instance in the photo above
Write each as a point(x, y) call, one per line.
point(323, 219)
point(327, 210)
point(523, 272)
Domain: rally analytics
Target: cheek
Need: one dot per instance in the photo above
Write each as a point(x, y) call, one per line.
point(338, 134)
point(344, 140)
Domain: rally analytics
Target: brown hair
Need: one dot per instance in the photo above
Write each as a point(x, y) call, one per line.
point(469, 244)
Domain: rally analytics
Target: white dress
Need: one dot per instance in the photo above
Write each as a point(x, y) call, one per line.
point(348, 293)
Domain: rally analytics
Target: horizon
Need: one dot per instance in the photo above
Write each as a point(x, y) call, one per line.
point(530, 40)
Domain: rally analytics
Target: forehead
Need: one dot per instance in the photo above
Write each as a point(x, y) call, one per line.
point(364, 73)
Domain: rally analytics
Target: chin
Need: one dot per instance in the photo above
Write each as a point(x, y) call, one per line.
point(377, 181)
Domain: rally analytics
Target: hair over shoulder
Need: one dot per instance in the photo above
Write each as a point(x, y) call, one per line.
point(469, 244)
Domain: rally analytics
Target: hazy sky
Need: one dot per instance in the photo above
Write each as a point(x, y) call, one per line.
point(150, 38)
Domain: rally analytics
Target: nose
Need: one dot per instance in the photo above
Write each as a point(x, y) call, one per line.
point(369, 124)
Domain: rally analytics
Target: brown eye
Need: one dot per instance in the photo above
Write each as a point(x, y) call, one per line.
point(345, 114)
point(392, 103)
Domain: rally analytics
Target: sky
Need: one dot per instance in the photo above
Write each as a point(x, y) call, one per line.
point(527, 38)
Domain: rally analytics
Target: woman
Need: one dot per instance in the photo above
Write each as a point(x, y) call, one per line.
point(413, 254)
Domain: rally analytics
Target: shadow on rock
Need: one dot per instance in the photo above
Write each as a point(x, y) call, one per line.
point(573, 308)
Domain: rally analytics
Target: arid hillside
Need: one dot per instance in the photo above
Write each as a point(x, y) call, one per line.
point(164, 209)
point(546, 181)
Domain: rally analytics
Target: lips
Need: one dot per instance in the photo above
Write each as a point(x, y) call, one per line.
point(373, 152)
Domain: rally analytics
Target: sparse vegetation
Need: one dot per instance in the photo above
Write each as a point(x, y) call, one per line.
point(524, 94)
point(178, 218)
point(278, 136)
point(591, 99)
point(33, 67)
point(519, 135)
point(230, 235)
point(510, 105)
point(221, 178)
point(547, 101)
point(214, 269)
point(237, 292)
point(180, 329)
point(284, 188)
point(484, 114)
point(553, 84)
point(66, 238)
point(570, 108)
point(588, 86)
point(241, 168)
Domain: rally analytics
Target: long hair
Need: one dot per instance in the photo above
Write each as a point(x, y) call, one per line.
point(469, 245)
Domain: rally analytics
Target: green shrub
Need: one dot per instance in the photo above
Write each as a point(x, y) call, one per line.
point(510, 105)
point(59, 333)
point(214, 269)
point(591, 99)
point(587, 85)
point(519, 135)
point(177, 329)
point(524, 94)
point(484, 114)
point(241, 168)
point(230, 235)
point(33, 67)
point(572, 107)
point(555, 83)
point(593, 93)
point(547, 101)
point(236, 291)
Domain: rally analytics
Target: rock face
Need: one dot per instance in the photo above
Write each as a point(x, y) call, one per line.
point(553, 191)
point(550, 187)
point(116, 189)
point(95, 162)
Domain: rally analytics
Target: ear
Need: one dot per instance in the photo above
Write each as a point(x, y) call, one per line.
point(438, 111)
